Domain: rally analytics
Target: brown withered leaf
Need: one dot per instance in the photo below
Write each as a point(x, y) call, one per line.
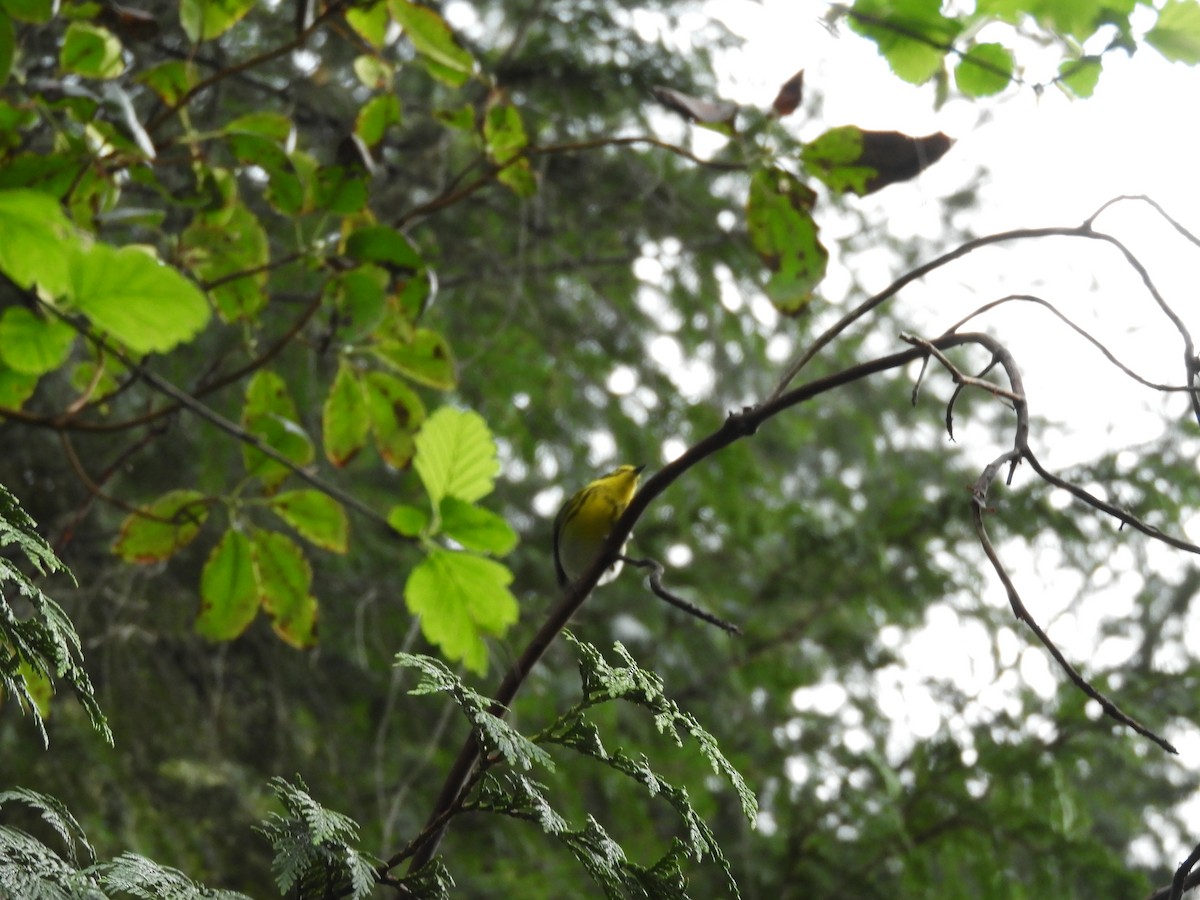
point(898, 157)
point(853, 160)
point(713, 113)
point(789, 96)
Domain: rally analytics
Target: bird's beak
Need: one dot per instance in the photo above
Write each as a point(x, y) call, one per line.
point(638, 469)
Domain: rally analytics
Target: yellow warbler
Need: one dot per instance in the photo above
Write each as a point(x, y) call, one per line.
point(583, 523)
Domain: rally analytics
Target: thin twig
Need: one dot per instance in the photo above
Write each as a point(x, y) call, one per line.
point(192, 405)
point(654, 579)
point(1087, 336)
point(979, 504)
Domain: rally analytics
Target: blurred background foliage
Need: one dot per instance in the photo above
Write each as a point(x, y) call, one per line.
point(614, 315)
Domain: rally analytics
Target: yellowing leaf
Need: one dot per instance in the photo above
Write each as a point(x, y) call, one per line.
point(425, 358)
point(460, 599)
point(167, 525)
point(270, 413)
point(284, 578)
point(396, 413)
point(316, 516)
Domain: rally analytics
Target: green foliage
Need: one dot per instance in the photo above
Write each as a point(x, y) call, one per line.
point(520, 796)
point(1176, 33)
point(31, 868)
point(781, 227)
point(314, 852)
point(42, 644)
point(230, 229)
point(920, 39)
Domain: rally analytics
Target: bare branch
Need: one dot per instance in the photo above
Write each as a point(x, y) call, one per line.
point(654, 579)
point(1087, 336)
point(1185, 879)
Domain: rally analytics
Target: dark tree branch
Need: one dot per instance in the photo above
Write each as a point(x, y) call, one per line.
point(1185, 879)
point(654, 579)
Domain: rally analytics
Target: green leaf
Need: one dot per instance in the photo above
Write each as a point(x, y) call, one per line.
point(15, 388)
point(432, 38)
point(383, 245)
point(373, 73)
point(783, 233)
point(285, 191)
point(476, 528)
point(396, 413)
point(1176, 33)
point(37, 238)
point(33, 345)
point(504, 135)
point(361, 297)
point(426, 358)
point(912, 35)
point(986, 69)
point(230, 249)
point(1080, 76)
point(317, 517)
point(203, 20)
point(460, 598)
point(171, 80)
point(376, 116)
point(147, 306)
point(271, 125)
point(91, 51)
point(339, 190)
point(228, 591)
point(37, 12)
point(270, 413)
point(410, 521)
point(461, 118)
point(284, 578)
point(456, 456)
point(167, 525)
point(370, 22)
point(344, 418)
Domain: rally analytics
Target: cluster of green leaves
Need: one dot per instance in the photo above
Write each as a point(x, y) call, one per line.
point(511, 793)
point(39, 645)
point(922, 40)
point(242, 173)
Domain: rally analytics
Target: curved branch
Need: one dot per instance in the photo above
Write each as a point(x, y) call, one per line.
point(737, 426)
point(1078, 329)
point(283, 49)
